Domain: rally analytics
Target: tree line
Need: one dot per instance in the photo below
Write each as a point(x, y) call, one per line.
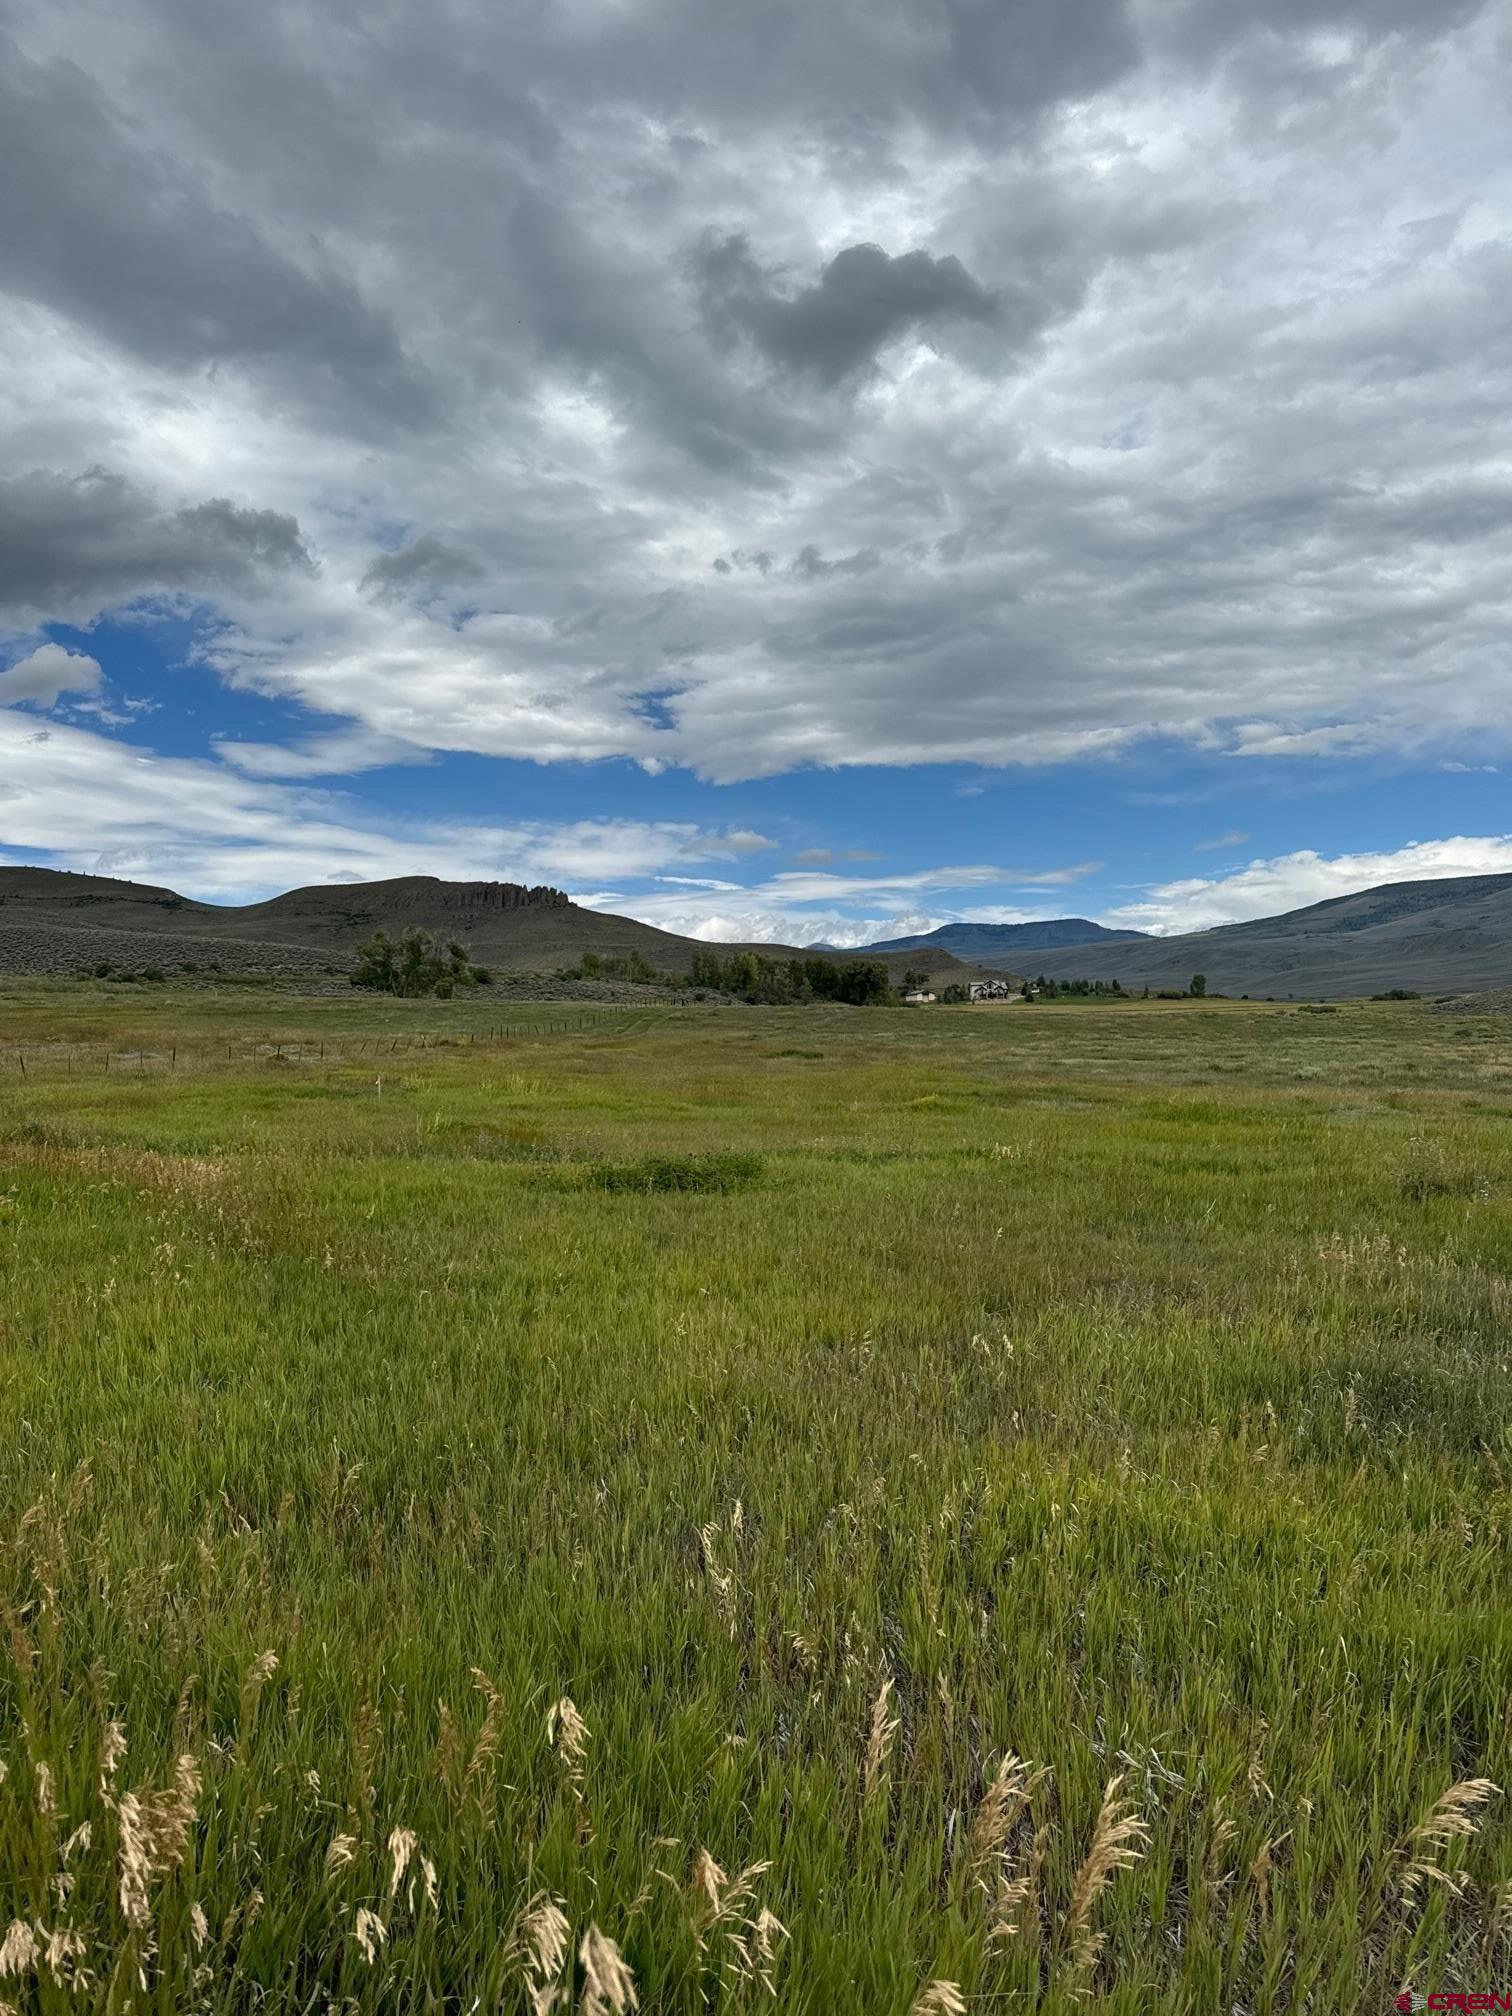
point(753, 977)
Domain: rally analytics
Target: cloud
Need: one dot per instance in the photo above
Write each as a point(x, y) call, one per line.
point(80, 799)
point(128, 240)
point(342, 754)
point(863, 299)
point(47, 674)
point(422, 568)
point(1267, 888)
point(71, 546)
point(975, 382)
point(810, 905)
point(1221, 843)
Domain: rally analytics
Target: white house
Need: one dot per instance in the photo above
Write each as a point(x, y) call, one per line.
point(993, 990)
point(918, 997)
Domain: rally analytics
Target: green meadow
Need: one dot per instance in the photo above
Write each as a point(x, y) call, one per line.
point(722, 1509)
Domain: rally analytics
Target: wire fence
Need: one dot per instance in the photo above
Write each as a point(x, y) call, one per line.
point(199, 1053)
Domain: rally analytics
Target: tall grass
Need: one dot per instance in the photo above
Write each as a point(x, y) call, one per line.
point(1041, 1542)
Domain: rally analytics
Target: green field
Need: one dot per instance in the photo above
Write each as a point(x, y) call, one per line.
point(798, 1505)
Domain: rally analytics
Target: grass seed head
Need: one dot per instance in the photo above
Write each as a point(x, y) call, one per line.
point(939, 1998)
point(879, 1742)
point(1453, 1818)
point(545, 1940)
point(1002, 1806)
point(567, 1734)
point(135, 1863)
point(18, 1950)
point(402, 1843)
point(370, 1932)
point(1118, 1841)
point(61, 1956)
point(608, 1984)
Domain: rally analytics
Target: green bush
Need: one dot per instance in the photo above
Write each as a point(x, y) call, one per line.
point(633, 965)
point(419, 963)
point(705, 1173)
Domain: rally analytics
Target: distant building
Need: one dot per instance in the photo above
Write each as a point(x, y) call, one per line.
point(993, 990)
point(918, 997)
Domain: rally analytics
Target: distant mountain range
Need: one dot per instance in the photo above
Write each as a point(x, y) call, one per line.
point(990, 943)
point(1436, 937)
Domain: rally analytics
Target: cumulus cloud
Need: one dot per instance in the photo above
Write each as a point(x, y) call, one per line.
point(975, 381)
point(124, 238)
point(813, 904)
point(80, 800)
point(71, 546)
point(46, 674)
point(1266, 888)
point(423, 567)
point(863, 299)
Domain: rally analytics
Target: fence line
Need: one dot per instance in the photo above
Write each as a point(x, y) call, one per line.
point(77, 1059)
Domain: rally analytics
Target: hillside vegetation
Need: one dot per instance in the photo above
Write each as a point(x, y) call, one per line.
point(53, 922)
point(751, 1507)
point(1439, 936)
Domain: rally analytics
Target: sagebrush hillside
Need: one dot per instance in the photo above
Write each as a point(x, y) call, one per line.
point(51, 921)
point(1434, 937)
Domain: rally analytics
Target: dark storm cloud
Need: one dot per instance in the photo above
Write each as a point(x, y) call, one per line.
point(423, 567)
point(949, 378)
point(114, 234)
point(71, 546)
point(1203, 28)
point(809, 564)
point(862, 300)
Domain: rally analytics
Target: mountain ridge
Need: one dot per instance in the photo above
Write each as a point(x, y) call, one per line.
point(1037, 935)
point(507, 925)
point(1442, 935)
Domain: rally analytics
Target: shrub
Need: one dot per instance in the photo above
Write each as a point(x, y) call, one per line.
point(706, 1173)
point(633, 965)
point(419, 963)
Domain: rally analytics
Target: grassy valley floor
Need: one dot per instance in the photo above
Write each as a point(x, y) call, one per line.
point(779, 1507)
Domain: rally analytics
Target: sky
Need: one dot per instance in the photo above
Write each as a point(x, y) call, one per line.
point(785, 472)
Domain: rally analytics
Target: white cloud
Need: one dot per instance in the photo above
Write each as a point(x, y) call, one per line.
point(1220, 843)
point(803, 907)
point(47, 674)
point(1291, 881)
point(82, 800)
point(342, 754)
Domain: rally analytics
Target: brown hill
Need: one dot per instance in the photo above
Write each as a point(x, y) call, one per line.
point(47, 916)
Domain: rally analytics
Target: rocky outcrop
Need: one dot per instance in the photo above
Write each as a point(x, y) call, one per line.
point(466, 896)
